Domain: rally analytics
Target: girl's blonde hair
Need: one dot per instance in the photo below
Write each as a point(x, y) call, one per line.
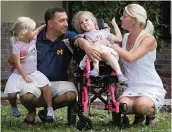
point(21, 26)
point(76, 20)
point(138, 12)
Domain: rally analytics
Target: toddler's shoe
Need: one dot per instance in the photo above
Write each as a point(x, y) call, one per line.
point(94, 72)
point(15, 112)
point(122, 79)
point(50, 114)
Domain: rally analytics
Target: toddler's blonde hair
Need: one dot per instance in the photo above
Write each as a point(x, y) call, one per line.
point(21, 26)
point(76, 20)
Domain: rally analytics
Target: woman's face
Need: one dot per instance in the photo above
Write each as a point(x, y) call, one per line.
point(86, 23)
point(127, 21)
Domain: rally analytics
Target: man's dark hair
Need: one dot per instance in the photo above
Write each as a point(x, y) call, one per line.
point(49, 14)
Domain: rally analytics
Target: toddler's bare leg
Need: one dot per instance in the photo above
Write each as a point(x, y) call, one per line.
point(12, 98)
point(113, 62)
point(48, 99)
point(96, 64)
point(47, 95)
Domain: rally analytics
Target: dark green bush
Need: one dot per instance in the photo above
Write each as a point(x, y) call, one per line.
point(109, 9)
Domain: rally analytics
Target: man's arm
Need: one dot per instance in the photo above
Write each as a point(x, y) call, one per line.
point(39, 29)
point(89, 50)
point(11, 60)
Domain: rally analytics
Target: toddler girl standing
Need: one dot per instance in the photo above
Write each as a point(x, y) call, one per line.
point(25, 73)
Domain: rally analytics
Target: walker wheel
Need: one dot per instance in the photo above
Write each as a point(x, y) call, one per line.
point(86, 124)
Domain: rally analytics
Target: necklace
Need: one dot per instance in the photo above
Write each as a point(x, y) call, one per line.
point(132, 40)
point(130, 43)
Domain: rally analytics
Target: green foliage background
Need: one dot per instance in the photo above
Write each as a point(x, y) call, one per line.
point(109, 9)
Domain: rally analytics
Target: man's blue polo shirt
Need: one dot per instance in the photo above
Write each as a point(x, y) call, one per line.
point(53, 58)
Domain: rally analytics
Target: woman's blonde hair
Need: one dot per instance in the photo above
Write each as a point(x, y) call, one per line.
point(138, 12)
point(21, 26)
point(76, 20)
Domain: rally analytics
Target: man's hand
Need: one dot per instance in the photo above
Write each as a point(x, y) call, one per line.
point(92, 53)
point(89, 50)
point(22, 58)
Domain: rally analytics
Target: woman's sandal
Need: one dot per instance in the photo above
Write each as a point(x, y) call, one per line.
point(150, 121)
point(29, 122)
point(139, 120)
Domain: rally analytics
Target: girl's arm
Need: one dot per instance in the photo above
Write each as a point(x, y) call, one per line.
point(39, 29)
point(116, 29)
point(117, 38)
point(16, 59)
point(147, 44)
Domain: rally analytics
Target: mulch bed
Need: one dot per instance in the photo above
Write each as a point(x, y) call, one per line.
point(167, 85)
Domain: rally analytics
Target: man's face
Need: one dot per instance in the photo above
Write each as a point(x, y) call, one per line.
point(59, 22)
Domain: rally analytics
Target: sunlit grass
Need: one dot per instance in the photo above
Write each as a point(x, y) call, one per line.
point(100, 118)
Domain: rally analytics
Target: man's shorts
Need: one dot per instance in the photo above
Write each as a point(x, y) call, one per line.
point(57, 88)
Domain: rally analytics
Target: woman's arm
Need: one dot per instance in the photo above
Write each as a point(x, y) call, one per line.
point(147, 44)
point(89, 50)
point(19, 67)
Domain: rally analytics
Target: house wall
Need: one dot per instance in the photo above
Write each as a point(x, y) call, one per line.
point(10, 10)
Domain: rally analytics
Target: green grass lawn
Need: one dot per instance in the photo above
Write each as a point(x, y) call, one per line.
point(100, 118)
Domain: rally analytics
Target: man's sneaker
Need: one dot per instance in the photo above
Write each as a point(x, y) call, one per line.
point(15, 112)
point(94, 72)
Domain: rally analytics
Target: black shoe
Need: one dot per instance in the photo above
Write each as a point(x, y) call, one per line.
point(28, 122)
point(150, 121)
point(43, 116)
point(139, 120)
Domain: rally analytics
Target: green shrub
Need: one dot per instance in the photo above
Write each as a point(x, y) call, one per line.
point(109, 9)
